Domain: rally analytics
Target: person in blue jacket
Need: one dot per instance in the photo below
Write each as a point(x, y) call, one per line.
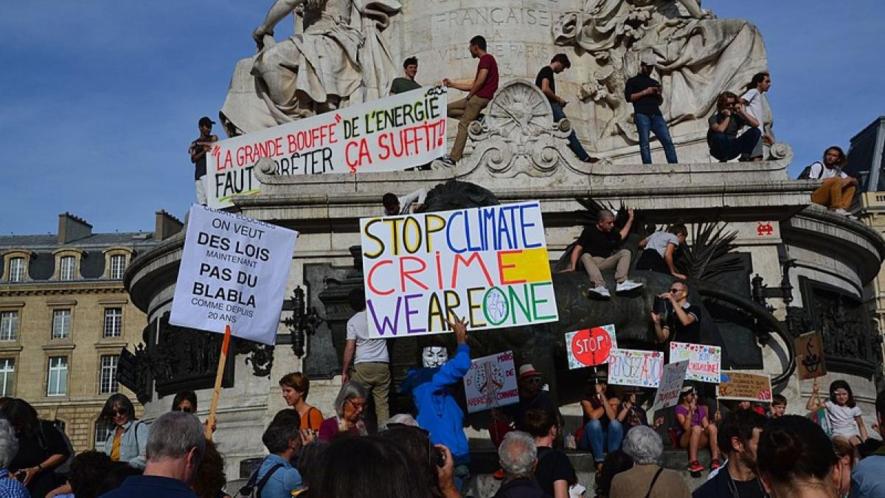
point(438, 412)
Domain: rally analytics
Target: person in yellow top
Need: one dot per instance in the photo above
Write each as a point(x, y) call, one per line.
point(128, 440)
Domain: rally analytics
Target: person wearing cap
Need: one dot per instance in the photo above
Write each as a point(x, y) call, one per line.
point(546, 82)
point(407, 82)
point(603, 419)
point(197, 151)
point(532, 396)
point(644, 92)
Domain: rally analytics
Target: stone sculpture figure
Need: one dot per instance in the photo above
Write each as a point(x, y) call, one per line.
point(699, 56)
point(338, 58)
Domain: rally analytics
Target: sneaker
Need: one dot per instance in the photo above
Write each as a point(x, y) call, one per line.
point(695, 466)
point(714, 464)
point(841, 211)
point(600, 291)
point(447, 159)
point(499, 475)
point(627, 285)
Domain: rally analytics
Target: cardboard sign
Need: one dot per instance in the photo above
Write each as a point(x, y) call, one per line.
point(703, 361)
point(491, 382)
point(744, 386)
point(233, 272)
point(487, 265)
point(590, 347)
point(631, 367)
point(671, 385)
point(389, 134)
point(810, 356)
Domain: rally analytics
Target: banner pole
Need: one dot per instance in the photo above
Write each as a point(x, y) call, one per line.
point(216, 394)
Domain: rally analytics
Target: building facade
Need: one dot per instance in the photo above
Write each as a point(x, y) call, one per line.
point(65, 316)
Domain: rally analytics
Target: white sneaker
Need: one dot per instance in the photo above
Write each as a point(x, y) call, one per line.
point(627, 285)
point(841, 211)
point(600, 291)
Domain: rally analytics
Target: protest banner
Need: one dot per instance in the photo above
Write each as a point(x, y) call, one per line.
point(671, 385)
point(744, 386)
point(488, 265)
point(590, 347)
point(631, 367)
point(232, 278)
point(703, 361)
point(491, 382)
point(388, 134)
point(810, 356)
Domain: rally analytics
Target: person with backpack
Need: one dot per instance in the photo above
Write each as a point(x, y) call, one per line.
point(128, 441)
point(836, 191)
point(276, 477)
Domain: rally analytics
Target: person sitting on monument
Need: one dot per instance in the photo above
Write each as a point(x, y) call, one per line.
point(128, 442)
point(694, 430)
point(598, 248)
point(836, 191)
point(603, 420)
point(371, 361)
point(407, 82)
point(754, 101)
point(480, 91)
point(645, 94)
point(197, 151)
point(406, 204)
point(348, 419)
point(730, 117)
point(659, 250)
point(532, 396)
point(675, 319)
point(547, 83)
point(295, 386)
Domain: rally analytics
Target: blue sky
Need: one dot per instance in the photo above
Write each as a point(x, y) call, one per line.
point(99, 99)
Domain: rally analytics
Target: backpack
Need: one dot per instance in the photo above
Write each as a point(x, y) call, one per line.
point(805, 174)
point(253, 489)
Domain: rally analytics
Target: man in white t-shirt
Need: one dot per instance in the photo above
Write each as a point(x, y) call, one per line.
point(756, 104)
point(370, 360)
point(836, 191)
point(406, 204)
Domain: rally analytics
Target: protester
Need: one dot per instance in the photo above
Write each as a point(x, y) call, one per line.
point(348, 419)
point(694, 430)
point(847, 459)
point(755, 102)
point(10, 487)
point(646, 95)
point(730, 117)
point(532, 396)
point(295, 387)
point(739, 437)
point(634, 415)
point(438, 470)
point(88, 470)
point(844, 417)
point(185, 401)
point(796, 459)
point(518, 457)
point(659, 250)
point(554, 471)
point(545, 80)
point(402, 419)
point(836, 191)
point(598, 248)
point(406, 204)
point(646, 477)
point(210, 479)
point(615, 463)
point(370, 359)
point(41, 448)
point(868, 477)
point(603, 429)
point(480, 91)
point(197, 151)
point(680, 321)
point(276, 477)
point(778, 406)
point(130, 437)
point(367, 466)
point(438, 410)
point(405, 83)
point(174, 449)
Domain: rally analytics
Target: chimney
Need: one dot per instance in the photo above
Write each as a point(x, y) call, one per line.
point(71, 228)
point(166, 225)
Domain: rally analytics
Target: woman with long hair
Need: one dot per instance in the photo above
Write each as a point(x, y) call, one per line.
point(128, 440)
point(41, 448)
point(796, 459)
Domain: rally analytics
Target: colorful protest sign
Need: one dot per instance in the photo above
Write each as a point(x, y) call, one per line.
point(590, 347)
point(487, 265)
point(631, 367)
point(389, 134)
point(491, 382)
point(703, 360)
point(671, 384)
point(810, 356)
point(744, 386)
point(233, 272)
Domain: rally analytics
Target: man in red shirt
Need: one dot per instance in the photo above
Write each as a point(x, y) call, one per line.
point(480, 91)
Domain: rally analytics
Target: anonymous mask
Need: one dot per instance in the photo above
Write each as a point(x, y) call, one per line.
point(434, 356)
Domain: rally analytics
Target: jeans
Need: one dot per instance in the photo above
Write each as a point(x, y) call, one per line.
point(573, 143)
point(725, 148)
point(599, 439)
point(656, 123)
